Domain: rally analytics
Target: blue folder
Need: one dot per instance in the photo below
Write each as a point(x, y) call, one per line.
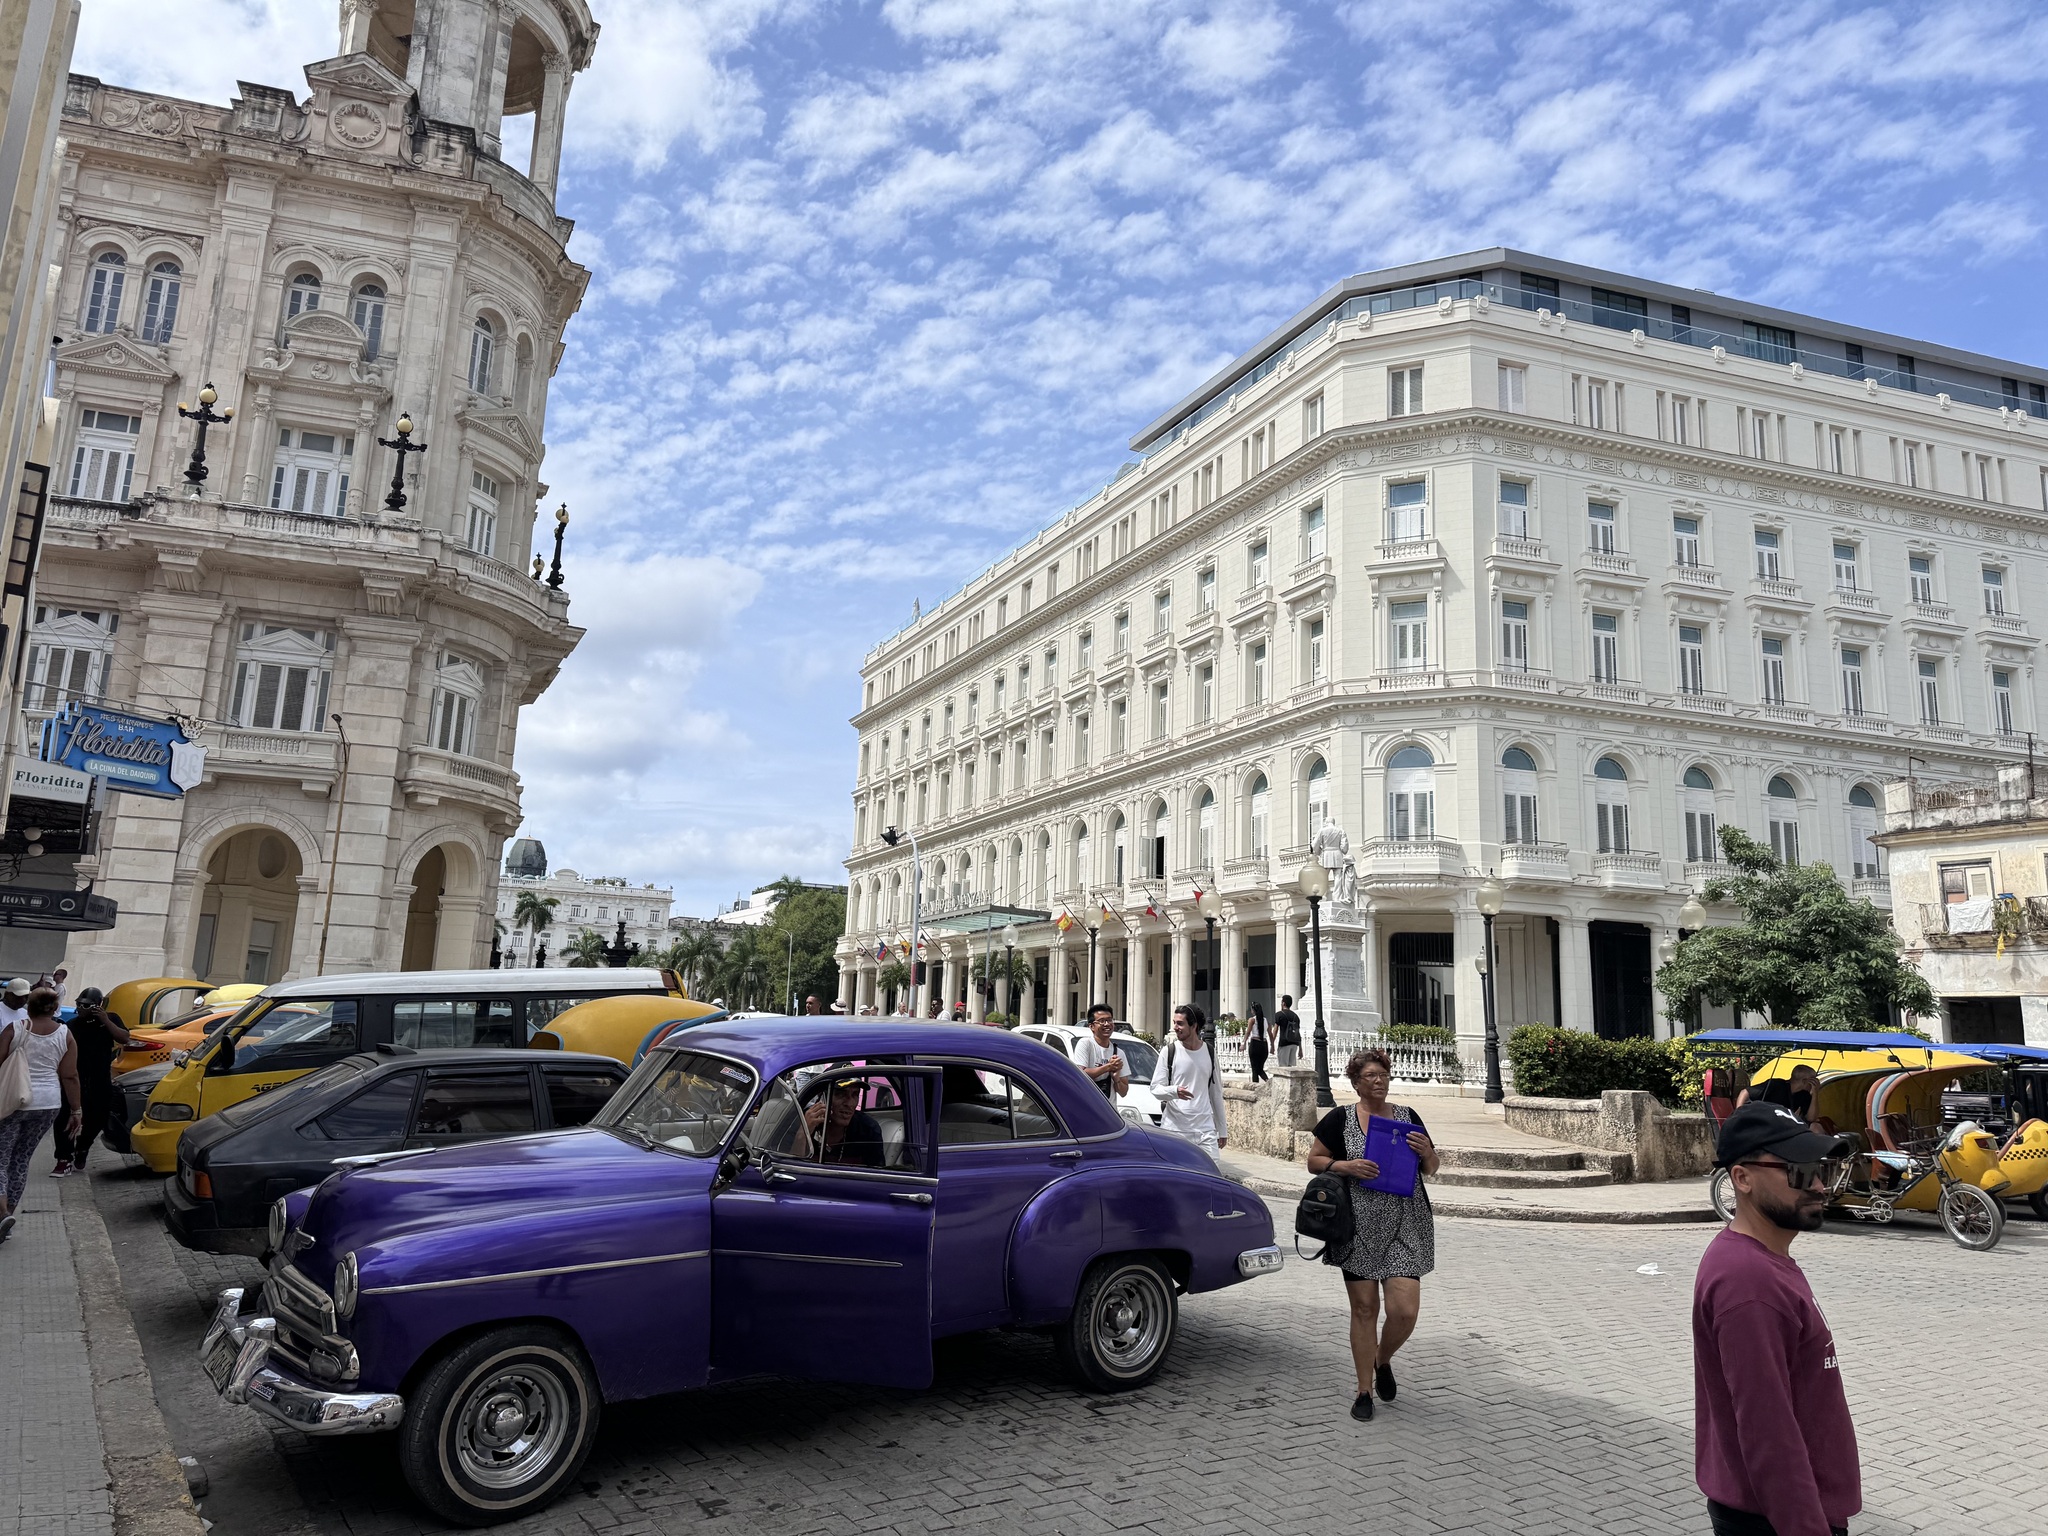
point(1386, 1143)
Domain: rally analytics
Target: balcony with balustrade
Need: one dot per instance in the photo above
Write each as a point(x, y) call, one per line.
point(1630, 871)
point(1536, 863)
point(1386, 861)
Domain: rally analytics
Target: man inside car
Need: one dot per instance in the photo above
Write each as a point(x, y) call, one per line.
point(850, 1134)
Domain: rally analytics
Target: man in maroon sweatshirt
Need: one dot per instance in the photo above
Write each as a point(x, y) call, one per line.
point(1776, 1453)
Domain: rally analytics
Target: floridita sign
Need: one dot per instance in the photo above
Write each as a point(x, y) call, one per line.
point(136, 753)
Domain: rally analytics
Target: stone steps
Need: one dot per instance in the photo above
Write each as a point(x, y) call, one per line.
point(1516, 1178)
point(1517, 1159)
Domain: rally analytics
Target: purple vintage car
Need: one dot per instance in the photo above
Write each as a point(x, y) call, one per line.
point(809, 1198)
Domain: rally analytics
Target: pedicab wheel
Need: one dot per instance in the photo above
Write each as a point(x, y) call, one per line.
point(501, 1425)
point(1122, 1326)
point(2038, 1203)
point(1721, 1190)
point(1972, 1217)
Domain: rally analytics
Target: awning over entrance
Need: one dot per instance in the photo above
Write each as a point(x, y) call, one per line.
point(979, 917)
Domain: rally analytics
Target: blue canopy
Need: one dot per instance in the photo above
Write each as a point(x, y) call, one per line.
point(2006, 1052)
point(1828, 1039)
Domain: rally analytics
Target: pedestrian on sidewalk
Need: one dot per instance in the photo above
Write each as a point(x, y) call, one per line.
point(1287, 1032)
point(1393, 1237)
point(100, 1036)
point(1189, 1090)
point(14, 1002)
point(52, 1088)
point(1100, 1061)
point(1258, 1042)
point(1774, 1447)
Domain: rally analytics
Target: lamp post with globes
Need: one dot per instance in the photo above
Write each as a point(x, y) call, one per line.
point(1488, 900)
point(1314, 883)
point(561, 527)
point(1692, 917)
point(401, 445)
point(1210, 905)
point(195, 471)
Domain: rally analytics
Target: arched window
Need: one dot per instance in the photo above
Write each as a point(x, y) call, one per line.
point(1119, 850)
point(1041, 867)
point(370, 318)
point(1518, 796)
point(1161, 830)
point(483, 342)
point(1205, 830)
point(1078, 879)
point(1610, 805)
point(1261, 806)
point(1411, 795)
point(160, 303)
point(1318, 795)
point(1702, 841)
point(1012, 891)
point(302, 297)
point(988, 871)
point(103, 292)
point(1783, 809)
point(458, 694)
point(1863, 853)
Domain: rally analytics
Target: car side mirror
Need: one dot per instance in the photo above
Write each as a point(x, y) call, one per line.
point(730, 1165)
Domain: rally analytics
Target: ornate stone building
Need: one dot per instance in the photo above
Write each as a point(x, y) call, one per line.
point(326, 262)
point(1491, 564)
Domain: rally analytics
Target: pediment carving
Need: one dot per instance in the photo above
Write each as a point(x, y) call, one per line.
point(116, 354)
point(504, 425)
point(357, 74)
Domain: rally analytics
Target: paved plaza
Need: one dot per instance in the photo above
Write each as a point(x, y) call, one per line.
point(1548, 1390)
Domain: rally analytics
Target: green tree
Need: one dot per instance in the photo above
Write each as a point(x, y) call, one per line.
point(1804, 955)
point(586, 950)
point(534, 912)
point(992, 965)
point(892, 978)
point(815, 920)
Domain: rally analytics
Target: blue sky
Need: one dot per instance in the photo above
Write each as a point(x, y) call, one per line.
point(880, 289)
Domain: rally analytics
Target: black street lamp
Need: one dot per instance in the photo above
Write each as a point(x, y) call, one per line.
point(1314, 883)
point(561, 527)
point(1010, 971)
point(195, 472)
point(400, 445)
point(1488, 899)
point(1210, 905)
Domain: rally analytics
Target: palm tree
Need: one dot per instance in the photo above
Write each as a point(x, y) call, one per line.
point(893, 978)
point(534, 912)
point(695, 957)
point(587, 949)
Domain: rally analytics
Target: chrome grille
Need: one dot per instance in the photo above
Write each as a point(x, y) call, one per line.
point(304, 1313)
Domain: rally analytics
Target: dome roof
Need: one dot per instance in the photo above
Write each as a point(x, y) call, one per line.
point(526, 857)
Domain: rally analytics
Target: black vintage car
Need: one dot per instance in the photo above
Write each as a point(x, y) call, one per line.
point(232, 1165)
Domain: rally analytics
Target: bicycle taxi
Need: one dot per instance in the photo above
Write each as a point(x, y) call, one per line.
point(1903, 1106)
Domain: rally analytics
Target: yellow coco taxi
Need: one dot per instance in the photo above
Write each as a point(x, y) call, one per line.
point(623, 1028)
point(154, 1000)
point(298, 1027)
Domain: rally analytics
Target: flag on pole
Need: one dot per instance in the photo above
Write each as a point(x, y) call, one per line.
point(881, 949)
point(1150, 910)
point(904, 945)
point(1064, 922)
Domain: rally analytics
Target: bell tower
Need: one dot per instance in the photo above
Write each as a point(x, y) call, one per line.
point(474, 63)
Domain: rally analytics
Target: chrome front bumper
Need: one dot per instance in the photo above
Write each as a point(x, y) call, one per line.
point(236, 1357)
point(1260, 1261)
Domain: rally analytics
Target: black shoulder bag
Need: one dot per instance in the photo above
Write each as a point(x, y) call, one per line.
point(1324, 1215)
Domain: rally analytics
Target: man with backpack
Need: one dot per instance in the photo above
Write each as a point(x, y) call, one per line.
point(1189, 1089)
point(1287, 1033)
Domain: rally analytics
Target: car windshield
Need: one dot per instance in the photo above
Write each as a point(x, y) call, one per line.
point(1139, 1057)
point(679, 1100)
point(287, 1024)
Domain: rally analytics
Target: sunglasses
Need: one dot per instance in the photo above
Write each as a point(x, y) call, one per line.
point(1829, 1174)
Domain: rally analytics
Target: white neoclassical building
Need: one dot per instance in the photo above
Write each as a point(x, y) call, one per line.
point(327, 261)
point(598, 903)
point(1500, 565)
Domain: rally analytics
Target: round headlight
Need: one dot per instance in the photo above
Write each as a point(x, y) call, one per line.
point(168, 1112)
point(345, 1287)
point(275, 1231)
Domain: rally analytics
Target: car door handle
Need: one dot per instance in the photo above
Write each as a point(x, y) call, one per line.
point(1066, 1157)
point(779, 1177)
point(911, 1196)
point(1225, 1215)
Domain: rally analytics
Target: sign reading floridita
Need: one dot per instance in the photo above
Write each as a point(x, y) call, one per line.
point(136, 753)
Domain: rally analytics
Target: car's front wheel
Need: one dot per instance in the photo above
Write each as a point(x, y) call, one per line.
point(500, 1426)
point(1121, 1327)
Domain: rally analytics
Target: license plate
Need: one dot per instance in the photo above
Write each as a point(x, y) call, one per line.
point(220, 1362)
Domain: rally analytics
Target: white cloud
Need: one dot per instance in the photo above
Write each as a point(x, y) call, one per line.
point(200, 55)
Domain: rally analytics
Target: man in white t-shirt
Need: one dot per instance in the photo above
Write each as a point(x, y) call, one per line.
point(1190, 1093)
point(1098, 1059)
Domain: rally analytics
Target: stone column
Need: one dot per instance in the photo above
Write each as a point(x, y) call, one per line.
point(1575, 965)
point(455, 933)
point(1230, 941)
point(188, 895)
point(373, 695)
point(1057, 981)
point(546, 162)
point(977, 997)
point(1468, 930)
point(1183, 970)
point(1134, 978)
point(1098, 971)
point(256, 461)
point(1027, 997)
point(849, 983)
point(1369, 960)
point(1287, 952)
point(1003, 996)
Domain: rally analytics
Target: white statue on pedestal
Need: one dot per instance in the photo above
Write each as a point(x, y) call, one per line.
point(1331, 847)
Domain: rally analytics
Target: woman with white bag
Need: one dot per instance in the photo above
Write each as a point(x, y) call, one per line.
point(38, 1080)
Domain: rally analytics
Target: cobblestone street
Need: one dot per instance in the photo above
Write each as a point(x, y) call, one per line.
point(1548, 1390)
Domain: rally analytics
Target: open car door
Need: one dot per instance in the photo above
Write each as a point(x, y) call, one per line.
point(821, 1246)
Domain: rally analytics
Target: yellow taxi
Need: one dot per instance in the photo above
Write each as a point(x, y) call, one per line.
point(298, 1027)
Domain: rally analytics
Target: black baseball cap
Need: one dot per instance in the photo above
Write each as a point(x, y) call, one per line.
point(1760, 1127)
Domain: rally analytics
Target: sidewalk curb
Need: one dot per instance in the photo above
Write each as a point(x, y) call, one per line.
point(148, 1486)
point(1469, 1209)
